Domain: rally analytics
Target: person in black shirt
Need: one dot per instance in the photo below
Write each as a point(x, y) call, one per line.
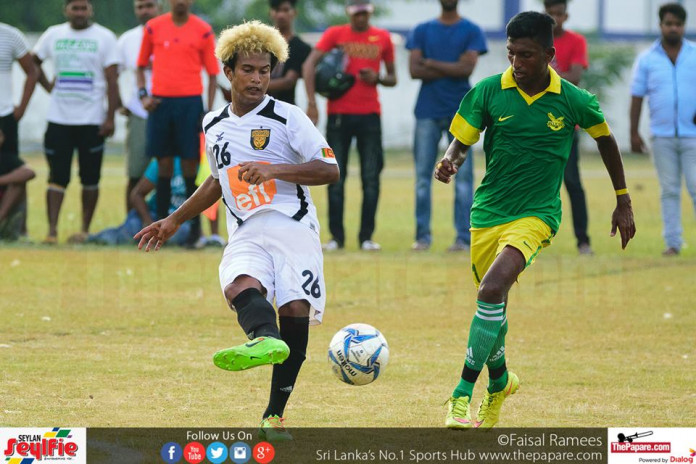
point(284, 76)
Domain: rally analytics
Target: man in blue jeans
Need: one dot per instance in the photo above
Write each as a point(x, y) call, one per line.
point(444, 52)
point(664, 74)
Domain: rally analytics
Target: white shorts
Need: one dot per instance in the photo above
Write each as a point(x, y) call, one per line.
point(281, 253)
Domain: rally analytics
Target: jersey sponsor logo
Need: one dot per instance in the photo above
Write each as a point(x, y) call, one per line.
point(361, 50)
point(327, 153)
point(373, 38)
point(501, 119)
point(248, 196)
point(260, 138)
point(555, 124)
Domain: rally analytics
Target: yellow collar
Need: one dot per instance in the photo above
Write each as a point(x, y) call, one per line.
point(508, 81)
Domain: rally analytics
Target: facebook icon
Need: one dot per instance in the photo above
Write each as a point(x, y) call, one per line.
point(171, 453)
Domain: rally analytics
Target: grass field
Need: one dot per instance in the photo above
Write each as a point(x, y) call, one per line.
point(112, 337)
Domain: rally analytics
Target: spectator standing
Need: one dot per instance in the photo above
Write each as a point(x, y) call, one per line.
point(570, 62)
point(14, 174)
point(665, 74)
point(128, 50)
point(85, 62)
point(179, 45)
point(443, 54)
point(285, 75)
point(356, 114)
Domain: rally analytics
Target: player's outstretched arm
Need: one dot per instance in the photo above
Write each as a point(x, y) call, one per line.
point(154, 235)
point(622, 218)
point(449, 165)
point(315, 172)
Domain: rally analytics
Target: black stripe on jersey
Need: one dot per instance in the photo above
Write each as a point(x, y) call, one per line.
point(303, 204)
point(224, 115)
point(269, 112)
point(239, 220)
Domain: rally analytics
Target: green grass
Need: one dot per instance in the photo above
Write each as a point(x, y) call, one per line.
point(112, 337)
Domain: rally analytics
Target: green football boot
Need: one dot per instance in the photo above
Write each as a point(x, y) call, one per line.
point(273, 430)
point(257, 352)
point(458, 415)
point(489, 410)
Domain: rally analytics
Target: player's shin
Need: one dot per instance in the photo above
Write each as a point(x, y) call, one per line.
point(483, 334)
point(295, 332)
point(255, 314)
point(497, 370)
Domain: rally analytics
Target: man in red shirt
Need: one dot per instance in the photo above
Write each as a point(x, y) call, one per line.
point(570, 62)
point(177, 45)
point(355, 114)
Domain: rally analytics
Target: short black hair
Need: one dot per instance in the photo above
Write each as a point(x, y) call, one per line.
point(275, 4)
point(550, 3)
point(675, 8)
point(532, 25)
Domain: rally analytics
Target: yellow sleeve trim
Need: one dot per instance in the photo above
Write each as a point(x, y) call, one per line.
point(600, 130)
point(463, 131)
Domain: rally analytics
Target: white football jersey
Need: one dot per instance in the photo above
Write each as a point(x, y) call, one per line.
point(274, 132)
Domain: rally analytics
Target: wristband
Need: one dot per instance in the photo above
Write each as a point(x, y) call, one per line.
point(623, 191)
point(142, 93)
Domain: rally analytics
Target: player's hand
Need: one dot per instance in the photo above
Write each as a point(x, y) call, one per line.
point(444, 170)
point(622, 219)
point(369, 76)
point(123, 111)
point(107, 128)
point(150, 103)
point(637, 144)
point(154, 235)
point(254, 172)
point(313, 113)
point(18, 113)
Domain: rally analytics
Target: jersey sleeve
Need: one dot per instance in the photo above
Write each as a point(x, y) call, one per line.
point(639, 82)
point(328, 40)
point(414, 41)
point(212, 162)
point(209, 60)
point(579, 55)
point(590, 118)
point(306, 140)
point(146, 47)
point(19, 44)
point(477, 41)
point(468, 122)
point(110, 56)
point(388, 51)
point(42, 49)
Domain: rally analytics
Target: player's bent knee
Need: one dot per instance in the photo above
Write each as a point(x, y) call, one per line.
point(295, 308)
point(240, 284)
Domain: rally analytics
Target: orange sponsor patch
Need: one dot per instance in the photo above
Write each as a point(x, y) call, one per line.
point(248, 196)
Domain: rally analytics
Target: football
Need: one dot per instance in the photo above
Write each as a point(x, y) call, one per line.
point(358, 354)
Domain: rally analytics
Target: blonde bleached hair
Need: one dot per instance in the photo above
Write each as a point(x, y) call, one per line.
point(251, 37)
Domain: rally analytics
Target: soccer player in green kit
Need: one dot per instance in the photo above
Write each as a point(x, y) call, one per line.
point(529, 114)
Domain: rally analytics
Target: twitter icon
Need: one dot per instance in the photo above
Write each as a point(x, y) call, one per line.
point(216, 452)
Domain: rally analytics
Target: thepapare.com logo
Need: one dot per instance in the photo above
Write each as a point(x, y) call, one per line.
point(36, 445)
point(628, 444)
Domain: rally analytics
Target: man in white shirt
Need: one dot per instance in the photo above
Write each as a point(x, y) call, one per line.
point(128, 51)
point(263, 153)
point(85, 62)
point(14, 174)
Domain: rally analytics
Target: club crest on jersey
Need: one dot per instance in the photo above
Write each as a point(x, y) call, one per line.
point(260, 138)
point(555, 124)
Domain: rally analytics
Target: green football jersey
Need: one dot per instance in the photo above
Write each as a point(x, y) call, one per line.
point(527, 143)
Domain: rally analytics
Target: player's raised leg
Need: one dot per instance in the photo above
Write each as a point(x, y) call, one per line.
point(256, 316)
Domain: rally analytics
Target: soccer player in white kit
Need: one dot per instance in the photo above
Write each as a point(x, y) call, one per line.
point(263, 153)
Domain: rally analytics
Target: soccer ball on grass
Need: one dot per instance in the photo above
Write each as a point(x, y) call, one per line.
point(358, 353)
